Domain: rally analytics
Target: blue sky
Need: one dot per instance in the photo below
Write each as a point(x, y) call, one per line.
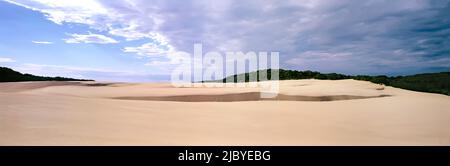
point(135, 40)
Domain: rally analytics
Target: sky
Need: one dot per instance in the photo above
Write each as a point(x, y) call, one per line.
point(140, 40)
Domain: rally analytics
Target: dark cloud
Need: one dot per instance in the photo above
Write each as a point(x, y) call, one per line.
point(348, 36)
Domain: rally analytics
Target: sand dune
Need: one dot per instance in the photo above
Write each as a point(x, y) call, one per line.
point(24, 86)
point(307, 112)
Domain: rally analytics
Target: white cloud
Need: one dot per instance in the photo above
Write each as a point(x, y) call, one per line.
point(70, 11)
point(6, 60)
point(149, 49)
point(90, 38)
point(129, 19)
point(368, 30)
point(172, 60)
point(42, 42)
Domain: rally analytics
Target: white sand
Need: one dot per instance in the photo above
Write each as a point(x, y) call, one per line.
point(70, 113)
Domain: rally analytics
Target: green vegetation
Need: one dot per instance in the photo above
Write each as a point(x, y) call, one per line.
point(429, 82)
point(9, 75)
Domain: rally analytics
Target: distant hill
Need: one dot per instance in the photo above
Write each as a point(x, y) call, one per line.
point(429, 82)
point(9, 75)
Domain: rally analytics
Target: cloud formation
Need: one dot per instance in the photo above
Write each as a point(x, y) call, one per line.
point(89, 38)
point(148, 49)
point(6, 60)
point(42, 42)
point(349, 36)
